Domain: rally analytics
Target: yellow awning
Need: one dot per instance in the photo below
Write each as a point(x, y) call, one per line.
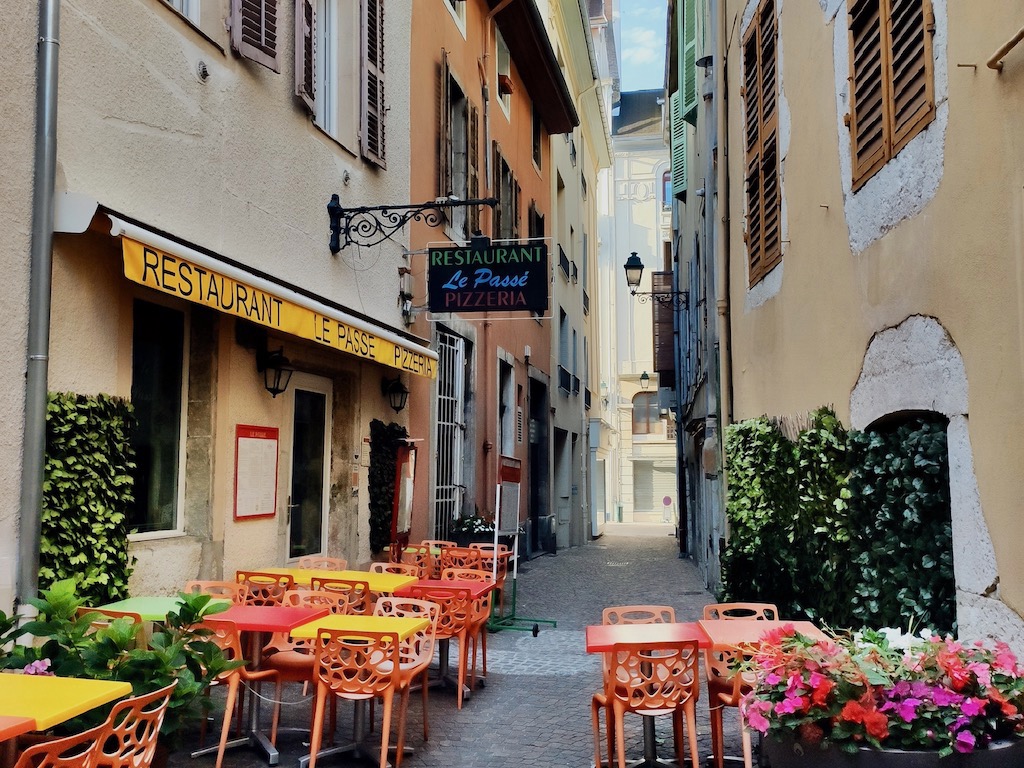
point(157, 262)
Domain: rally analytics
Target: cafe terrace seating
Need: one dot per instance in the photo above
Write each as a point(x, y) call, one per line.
point(129, 735)
point(225, 635)
point(460, 557)
point(658, 679)
point(402, 569)
point(489, 553)
point(725, 689)
point(356, 594)
point(454, 621)
point(69, 752)
point(419, 555)
point(417, 651)
point(359, 666)
point(322, 563)
point(264, 588)
point(481, 615)
point(228, 590)
point(436, 544)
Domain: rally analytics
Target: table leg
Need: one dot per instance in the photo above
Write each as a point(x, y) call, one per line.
point(444, 678)
point(650, 758)
point(355, 747)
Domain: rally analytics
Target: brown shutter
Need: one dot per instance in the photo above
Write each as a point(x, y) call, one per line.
point(911, 69)
point(497, 220)
point(761, 177)
point(444, 124)
point(868, 93)
point(254, 31)
point(663, 336)
point(474, 167)
point(514, 229)
point(373, 109)
point(305, 42)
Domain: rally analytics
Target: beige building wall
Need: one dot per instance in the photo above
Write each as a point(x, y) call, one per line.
point(907, 294)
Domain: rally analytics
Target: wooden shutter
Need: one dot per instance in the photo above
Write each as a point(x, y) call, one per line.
point(868, 90)
point(499, 216)
point(761, 177)
point(911, 77)
point(688, 84)
point(373, 110)
point(677, 127)
point(514, 229)
point(254, 31)
point(305, 52)
point(473, 165)
point(444, 128)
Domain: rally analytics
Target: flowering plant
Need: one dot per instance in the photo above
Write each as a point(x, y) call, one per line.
point(885, 689)
point(474, 524)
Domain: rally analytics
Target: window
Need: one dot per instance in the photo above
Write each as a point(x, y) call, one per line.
point(458, 164)
point(892, 95)
point(506, 190)
point(503, 63)
point(506, 408)
point(761, 121)
point(328, 54)
point(158, 376)
point(534, 221)
point(253, 26)
point(538, 133)
point(666, 189)
point(457, 8)
point(646, 419)
point(187, 8)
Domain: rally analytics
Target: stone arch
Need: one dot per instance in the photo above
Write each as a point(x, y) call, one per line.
point(916, 366)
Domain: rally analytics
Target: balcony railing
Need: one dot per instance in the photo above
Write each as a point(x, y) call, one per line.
point(564, 380)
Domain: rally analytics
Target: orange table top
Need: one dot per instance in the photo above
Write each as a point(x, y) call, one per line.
point(477, 589)
point(15, 726)
point(403, 626)
point(268, 618)
point(601, 638)
point(49, 701)
point(382, 583)
point(744, 632)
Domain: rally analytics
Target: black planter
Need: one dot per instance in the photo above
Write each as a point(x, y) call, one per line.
point(787, 753)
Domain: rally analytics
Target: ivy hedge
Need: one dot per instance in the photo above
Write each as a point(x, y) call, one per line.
point(384, 441)
point(844, 527)
point(87, 492)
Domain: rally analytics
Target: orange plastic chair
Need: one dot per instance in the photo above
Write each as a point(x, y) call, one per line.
point(416, 554)
point(402, 569)
point(481, 614)
point(417, 651)
point(488, 555)
point(460, 557)
point(454, 621)
point(225, 635)
point(725, 689)
point(359, 666)
point(660, 679)
point(128, 737)
point(229, 590)
point(69, 752)
point(357, 595)
point(264, 588)
point(321, 562)
point(101, 619)
point(435, 560)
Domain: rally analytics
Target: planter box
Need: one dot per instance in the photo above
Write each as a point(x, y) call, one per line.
point(787, 753)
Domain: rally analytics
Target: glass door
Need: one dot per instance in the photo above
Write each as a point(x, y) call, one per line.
point(310, 465)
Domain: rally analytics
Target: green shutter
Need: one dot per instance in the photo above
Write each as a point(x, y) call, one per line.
point(678, 125)
point(689, 81)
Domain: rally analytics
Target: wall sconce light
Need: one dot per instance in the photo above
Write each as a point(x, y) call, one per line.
point(275, 367)
point(645, 381)
point(397, 393)
point(634, 267)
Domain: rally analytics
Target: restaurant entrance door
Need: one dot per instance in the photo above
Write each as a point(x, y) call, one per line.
point(310, 465)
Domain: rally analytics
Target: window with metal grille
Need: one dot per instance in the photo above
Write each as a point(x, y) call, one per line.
point(760, 138)
point(892, 83)
point(450, 438)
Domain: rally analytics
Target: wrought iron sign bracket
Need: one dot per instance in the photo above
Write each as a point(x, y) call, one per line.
point(675, 298)
point(373, 224)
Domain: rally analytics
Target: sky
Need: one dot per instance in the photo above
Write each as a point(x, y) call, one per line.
point(641, 36)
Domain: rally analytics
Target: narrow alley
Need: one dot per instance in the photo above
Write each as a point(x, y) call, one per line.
point(535, 709)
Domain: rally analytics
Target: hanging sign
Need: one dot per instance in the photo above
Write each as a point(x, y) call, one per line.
point(488, 278)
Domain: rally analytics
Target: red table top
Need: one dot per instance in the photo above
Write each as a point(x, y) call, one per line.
point(733, 632)
point(15, 726)
point(477, 589)
point(601, 638)
point(268, 618)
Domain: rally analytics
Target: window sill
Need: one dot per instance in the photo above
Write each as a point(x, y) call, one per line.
point(194, 27)
point(177, 533)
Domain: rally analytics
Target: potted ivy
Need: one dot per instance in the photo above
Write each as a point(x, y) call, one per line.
point(884, 698)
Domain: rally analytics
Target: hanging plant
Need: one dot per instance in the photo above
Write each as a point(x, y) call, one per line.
point(384, 441)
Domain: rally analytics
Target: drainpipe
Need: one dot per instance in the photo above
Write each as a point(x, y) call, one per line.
point(722, 221)
point(41, 258)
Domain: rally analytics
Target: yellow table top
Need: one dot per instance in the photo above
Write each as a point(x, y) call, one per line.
point(405, 626)
point(382, 583)
point(52, 700)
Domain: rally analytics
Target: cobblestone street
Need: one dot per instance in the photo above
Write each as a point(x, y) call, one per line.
point(535, 708)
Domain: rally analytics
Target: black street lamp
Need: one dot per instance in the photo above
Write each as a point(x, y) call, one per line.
point(634, 267)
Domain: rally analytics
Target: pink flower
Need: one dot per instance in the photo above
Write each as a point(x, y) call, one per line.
point(972, 707)
point(773, 678)
point(964, 741)
point(906, 709)
point(39, 667)
point(754, 711)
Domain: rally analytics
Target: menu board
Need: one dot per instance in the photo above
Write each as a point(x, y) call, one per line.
point(255, 471)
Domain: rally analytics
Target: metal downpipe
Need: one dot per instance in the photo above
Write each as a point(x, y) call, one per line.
point(41, 258)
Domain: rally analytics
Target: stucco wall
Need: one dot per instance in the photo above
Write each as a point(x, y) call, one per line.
point(952, 253)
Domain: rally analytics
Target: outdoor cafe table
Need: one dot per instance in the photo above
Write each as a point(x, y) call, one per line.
point(262, 619)
point(403, 626)
point(149, 608)
point(380, 583)
point(602, 638)
point(48, 701)
point(747, 633)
